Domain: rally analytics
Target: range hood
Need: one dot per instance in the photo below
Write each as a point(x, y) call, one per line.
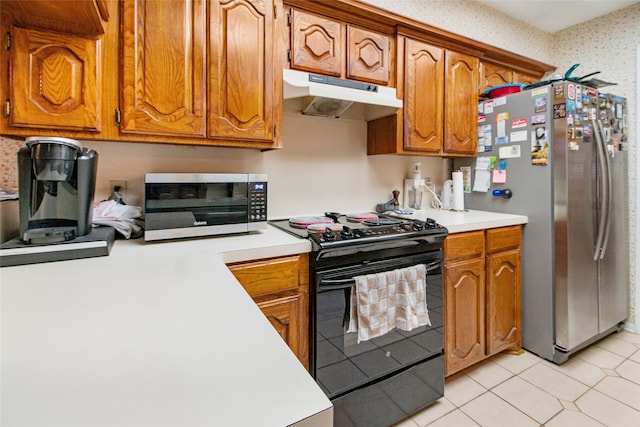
point(331, 97)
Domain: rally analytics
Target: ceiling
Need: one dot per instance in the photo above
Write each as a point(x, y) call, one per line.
point(555, 15)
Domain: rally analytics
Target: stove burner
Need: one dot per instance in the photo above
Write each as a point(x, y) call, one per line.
point(335, 230)
point(381, 221)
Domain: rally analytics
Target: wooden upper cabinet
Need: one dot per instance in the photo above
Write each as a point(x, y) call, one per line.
point(439, 88)
point(316, 44)
point(325, 46)
point(244, 90)
point(163, 67)
point(368, 56)
point(423, 96)
point(525, 78)
point(461, 104)
point(494, 75)
point(77, 17)
point(55, 81)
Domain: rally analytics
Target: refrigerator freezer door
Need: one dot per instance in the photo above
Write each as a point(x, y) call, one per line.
point(614, 266)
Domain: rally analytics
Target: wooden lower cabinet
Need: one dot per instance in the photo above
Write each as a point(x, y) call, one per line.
point(482, 280)
point(279, 286)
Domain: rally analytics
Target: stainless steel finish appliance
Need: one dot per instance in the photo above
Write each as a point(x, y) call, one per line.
point(56, 186)
point(189, 205)
point(385, 379)
point(331, 97)
point(563, 149)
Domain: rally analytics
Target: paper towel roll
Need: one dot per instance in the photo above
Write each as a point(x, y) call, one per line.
point(458, 192)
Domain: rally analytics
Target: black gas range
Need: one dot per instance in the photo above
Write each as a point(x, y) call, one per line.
point(335, 230)
point(377, 382)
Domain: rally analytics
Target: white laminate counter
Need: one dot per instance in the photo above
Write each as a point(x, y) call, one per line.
point(159, 334)
point(468, 220)
point(156, 334)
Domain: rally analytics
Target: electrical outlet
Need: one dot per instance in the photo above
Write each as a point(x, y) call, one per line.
point(113, 183)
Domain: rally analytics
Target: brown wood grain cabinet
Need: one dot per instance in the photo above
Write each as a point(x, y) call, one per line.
point(202, 72)
point(60, 81)
point(495, 75)
point(163, 67)
point(326, 46)
point(279, 286)
point(245, 72)
point(440, 114)
point(482, 279)
point(216, 79)
point(461, 105)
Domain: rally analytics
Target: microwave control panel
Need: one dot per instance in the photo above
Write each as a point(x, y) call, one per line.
point(257, 201)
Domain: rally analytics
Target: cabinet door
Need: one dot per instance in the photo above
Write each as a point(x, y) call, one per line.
point(423, 97)
point(317, 44)
point(494, 75)
point(464, 314)
point(503, 302)
point(461, 104)
point(163, 76)
point(525, 78)
point(243, 86)
point(368, 55)
point(55, 81)
point(284, 314)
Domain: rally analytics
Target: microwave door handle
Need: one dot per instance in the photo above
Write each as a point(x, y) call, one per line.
point(600, 155)
point(609, 201)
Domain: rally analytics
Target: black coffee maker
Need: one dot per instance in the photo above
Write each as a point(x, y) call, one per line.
point(56, 180)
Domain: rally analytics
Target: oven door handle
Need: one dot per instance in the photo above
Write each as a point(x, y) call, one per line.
point(334, 284)
point(330, 285)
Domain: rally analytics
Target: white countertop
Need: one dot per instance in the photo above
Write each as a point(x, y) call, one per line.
point(468, 220)
point(156, 334)
point(159, 334)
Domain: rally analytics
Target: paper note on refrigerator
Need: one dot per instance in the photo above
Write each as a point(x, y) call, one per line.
point(482, 179)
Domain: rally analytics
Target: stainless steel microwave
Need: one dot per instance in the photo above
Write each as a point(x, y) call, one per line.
point(189, 205)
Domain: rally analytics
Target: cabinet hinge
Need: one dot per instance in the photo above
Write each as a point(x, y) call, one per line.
point(288, 55)
point(275, 131)
point(7, 41)
point(7, 109)
point(117, 116)
point(288, 19)
point(275, 12)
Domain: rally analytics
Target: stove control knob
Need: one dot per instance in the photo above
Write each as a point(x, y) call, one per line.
point(346, 233)
point(431, 223)
point(418, 225)
point(329, 234)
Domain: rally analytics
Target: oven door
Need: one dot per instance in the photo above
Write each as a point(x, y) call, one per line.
point(382, 380)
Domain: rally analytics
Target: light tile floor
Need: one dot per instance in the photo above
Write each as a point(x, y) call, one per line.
point(599, 386)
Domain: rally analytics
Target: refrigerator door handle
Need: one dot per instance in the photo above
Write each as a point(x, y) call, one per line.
point(609, 180)
point(601, 153)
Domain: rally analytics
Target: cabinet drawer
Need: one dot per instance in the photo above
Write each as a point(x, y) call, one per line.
point(463, 246)
point(270, 275)
point(504, 239)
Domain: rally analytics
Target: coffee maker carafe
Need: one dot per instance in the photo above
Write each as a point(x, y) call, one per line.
point(56, 180)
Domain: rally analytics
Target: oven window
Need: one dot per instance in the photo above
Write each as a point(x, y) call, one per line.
point(342, 364)
point(210, 203)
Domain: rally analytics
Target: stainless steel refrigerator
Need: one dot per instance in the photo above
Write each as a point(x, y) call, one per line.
point(562, 151)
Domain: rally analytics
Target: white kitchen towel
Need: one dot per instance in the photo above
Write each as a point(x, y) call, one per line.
point(383, 301)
